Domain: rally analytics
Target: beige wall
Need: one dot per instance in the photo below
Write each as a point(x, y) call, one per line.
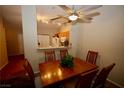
point(49, 29)
point(14, 37)
point(3, 50)
point(30, 37)
point(105, 35)
point(65, 28)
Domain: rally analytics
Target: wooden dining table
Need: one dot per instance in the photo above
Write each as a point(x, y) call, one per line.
point(52, 72)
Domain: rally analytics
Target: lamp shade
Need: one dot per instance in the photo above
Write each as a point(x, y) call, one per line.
point(73, 17)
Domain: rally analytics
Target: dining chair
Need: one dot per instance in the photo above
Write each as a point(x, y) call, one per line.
point(30, 72)
point(91, 57)
point(50, 55)
point(84, 80)
point(35, 80)
point(63, 53)
point(26, 81)
point(101, 77)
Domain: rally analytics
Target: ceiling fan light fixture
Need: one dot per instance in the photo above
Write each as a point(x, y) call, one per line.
point(73, 17)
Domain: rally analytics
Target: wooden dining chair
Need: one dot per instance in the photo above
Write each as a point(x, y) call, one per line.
point(63, 53)
point(102, 76)
point(20, 78)
point(83, 81)
point(34, 79)
point(30, 72)
point(26, 81)
point(50, 55)
point(91, 57)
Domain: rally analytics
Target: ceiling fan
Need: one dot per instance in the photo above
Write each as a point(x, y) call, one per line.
point(74, 16)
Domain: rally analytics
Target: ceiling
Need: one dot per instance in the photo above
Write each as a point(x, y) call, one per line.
point(12, 13)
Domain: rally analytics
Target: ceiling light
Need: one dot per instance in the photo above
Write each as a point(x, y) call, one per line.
point(73, 17)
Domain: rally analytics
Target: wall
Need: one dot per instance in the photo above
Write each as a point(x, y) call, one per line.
point(44, 28)
point(65, 28)
point(74, 39)
point(3, 49)
point(49, 29)
point(30, 36)
point(105, 35)
point(14, 37)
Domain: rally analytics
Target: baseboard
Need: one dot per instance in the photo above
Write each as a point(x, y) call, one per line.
point(37, 73)
point(115, 84)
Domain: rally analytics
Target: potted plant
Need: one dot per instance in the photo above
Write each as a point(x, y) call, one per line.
point(67, 61)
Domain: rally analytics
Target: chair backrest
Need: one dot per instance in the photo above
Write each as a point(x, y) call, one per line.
point(29, 70)
point(50, 55)
point(91, 57)
point(63, 53)
point(85, 79)
point(102, 76)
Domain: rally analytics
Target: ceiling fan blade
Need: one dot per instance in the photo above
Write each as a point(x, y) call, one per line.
point(92, 14)
point(84, 20)
point(67, 9)
point(92, 8)
point(65, 17)
point(89, 9)
point(56, 18)
point(86, 17)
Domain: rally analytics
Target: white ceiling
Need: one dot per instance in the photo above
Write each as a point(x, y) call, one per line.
point(49, 11)
point(12, 14)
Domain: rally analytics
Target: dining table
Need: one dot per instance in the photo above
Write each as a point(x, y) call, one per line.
point(52, 72)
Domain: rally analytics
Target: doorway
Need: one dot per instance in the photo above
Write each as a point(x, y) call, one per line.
point(13, 29)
